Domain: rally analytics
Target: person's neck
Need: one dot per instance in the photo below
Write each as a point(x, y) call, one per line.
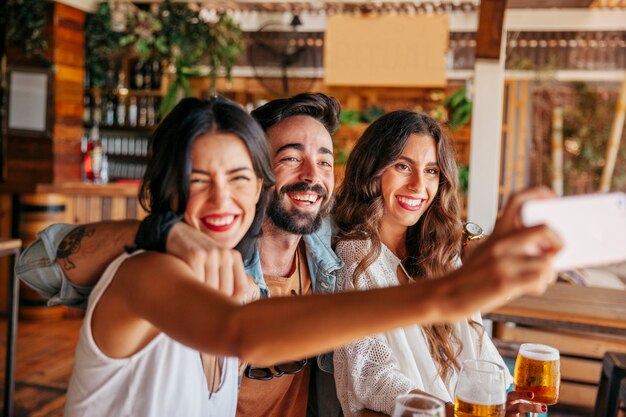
point(277, 249)
point(395, 239)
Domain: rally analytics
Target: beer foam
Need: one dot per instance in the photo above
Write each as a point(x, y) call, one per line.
point(539, 352)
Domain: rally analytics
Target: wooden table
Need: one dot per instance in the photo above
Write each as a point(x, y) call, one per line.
point(10, 247)
point(569, 307)
point(582, 322)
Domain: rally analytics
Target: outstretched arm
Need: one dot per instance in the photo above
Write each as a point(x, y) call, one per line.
point(278, 329)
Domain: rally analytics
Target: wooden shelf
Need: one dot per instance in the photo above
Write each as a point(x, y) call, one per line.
point(91, 189)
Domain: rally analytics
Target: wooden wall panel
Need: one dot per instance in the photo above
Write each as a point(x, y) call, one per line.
point(29, 160)
point(89, 209)
point(36, 160)
point(68, 46)
point(68, 13)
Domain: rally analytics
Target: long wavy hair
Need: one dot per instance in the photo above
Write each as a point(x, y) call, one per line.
point(166, 182)
point(433, 244)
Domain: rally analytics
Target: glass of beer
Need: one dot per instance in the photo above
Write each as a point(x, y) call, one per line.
point(480, 390)
point(537, 369)
point(418, 405)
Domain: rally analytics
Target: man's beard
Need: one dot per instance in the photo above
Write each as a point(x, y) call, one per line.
point(296, 221)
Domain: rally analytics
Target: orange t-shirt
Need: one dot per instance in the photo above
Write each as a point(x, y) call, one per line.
point(287, 395)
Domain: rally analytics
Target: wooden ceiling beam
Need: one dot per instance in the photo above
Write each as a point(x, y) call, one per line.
point(490, 29)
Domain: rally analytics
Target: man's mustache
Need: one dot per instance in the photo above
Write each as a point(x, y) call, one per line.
point(302, 187)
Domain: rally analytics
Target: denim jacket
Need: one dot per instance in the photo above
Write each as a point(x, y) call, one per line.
point(37, 268)
point(323, 266)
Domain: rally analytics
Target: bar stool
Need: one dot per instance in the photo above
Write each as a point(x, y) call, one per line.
point(10, 247)
point(613, 373)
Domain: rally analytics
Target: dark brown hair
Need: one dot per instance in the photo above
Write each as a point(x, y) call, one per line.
point(323, 108)
point(166, 182)
point(433, 244)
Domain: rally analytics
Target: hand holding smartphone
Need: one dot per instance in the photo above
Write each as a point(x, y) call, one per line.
point(591, 226)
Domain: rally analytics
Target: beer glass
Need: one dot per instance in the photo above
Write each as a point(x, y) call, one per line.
point(537, 369)
point(480, 390)
point(418, 405)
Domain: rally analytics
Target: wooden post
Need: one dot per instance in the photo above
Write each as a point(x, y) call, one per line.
point(614, 140)
point(557, 150)
point(485, 145)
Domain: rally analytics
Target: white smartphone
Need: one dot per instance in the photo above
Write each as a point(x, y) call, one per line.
point(592, 227)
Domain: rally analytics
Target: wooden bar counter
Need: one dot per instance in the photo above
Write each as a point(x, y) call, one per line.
point(87, 202)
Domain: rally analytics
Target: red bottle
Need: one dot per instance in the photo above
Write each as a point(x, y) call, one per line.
point(93, 156)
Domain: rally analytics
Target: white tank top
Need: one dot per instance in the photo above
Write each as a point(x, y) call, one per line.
point(165, 378)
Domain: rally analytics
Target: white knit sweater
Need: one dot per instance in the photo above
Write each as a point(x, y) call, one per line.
point(371, 372)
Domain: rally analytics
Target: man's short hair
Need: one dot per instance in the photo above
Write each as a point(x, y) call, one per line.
point(323, 108)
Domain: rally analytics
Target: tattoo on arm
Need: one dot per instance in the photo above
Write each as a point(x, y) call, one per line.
point(71, 244)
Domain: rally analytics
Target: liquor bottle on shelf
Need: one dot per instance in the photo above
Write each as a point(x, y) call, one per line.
point(109, 110)
point(93, 157)
point(147, 76)
point(132, 112)
point(138, 76)
point(97, 110)
point(121, 81)
point(156, 75)
point(143, 112)
point(121, 111)
point(87, 103)
point(111, 80)
point(151, 112)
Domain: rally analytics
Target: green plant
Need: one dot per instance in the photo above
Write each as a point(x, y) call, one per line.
point(145, 36)
point(459, 108)
point(26, 27)
point(354, 117)
point(350, 117)
point(225, 46)
point(177, 34)
point(372, 113)
point(586, 128)
point(464, 178)
point(102, 45)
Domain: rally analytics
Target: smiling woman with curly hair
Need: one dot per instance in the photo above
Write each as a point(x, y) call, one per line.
point(399, 221)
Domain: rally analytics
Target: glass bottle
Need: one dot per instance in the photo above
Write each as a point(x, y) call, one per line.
point(151, 113)
point(138, 75)
point(109, 110)
point(147, 76)
point(143, 112)
point(132, 112)
point(87, 103)
point(156, 75)
point(97, 109)
point(121, 111)
point(93, 156)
